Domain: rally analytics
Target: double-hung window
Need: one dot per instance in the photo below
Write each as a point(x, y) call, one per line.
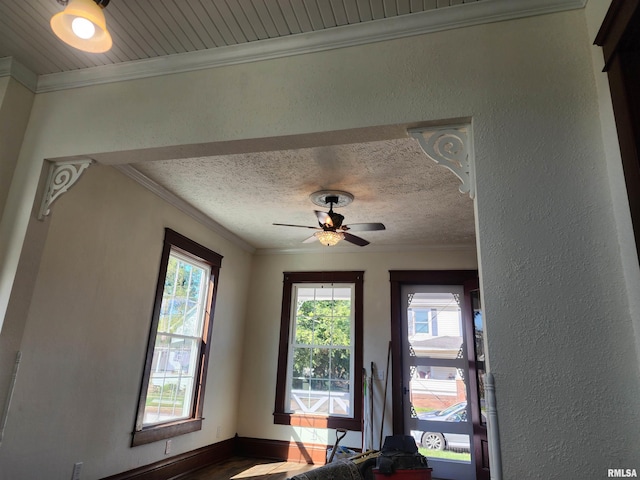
point(320, 361)
point(177, 354)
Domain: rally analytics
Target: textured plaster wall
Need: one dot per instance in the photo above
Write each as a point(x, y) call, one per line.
point(560, 333)
point(263, 329)
point(85, 339)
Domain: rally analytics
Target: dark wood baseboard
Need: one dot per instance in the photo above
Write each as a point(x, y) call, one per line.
point(237, 446)
point(180, 464)
point(282, 450)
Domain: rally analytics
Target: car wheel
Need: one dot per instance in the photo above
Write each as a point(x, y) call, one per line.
point(433, 441)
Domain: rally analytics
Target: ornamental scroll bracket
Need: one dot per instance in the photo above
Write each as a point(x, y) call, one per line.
point(450, 148)
point(62, 176)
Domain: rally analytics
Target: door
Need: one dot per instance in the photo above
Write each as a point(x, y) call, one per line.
point(440, 382)
point(475, 330)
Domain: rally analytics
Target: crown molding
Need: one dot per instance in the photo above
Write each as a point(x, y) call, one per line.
point(183, 206)
point(458, 16)
point(9, 67)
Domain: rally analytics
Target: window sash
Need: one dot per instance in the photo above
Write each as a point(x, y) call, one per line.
point(309, 399)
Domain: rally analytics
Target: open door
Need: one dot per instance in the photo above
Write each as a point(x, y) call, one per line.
point(477, 370)
point(438, 368)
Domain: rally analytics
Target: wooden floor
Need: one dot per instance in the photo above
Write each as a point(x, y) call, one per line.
point(240, 468)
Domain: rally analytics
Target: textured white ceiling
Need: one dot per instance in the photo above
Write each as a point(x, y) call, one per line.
point(393, 182)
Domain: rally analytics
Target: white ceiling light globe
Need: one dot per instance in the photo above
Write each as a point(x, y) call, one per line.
point(83, 28)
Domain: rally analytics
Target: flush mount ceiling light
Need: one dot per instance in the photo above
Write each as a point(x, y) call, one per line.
point(82, 25)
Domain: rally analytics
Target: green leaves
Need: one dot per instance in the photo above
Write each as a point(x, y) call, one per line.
point(323, 338)
point(323, 322)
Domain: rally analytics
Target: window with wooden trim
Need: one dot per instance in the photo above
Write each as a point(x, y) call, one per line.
point(179, 341)
point(320, 358)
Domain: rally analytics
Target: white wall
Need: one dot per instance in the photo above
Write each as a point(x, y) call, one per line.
point(15, 107)
point(560, 334)
point(261, 340)
point(84, 344)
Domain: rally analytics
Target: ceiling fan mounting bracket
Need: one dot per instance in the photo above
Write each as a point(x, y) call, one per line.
point(334, 198)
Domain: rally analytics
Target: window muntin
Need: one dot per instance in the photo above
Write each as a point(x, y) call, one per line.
point(321, 360)
point(173, 383)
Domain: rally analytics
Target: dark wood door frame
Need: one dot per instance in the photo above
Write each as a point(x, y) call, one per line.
point(398, 278)
point(619, 37)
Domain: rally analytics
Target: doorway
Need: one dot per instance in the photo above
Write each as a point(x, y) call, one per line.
point(438, 362)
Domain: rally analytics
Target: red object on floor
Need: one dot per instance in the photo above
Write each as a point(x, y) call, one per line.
point(415, 474)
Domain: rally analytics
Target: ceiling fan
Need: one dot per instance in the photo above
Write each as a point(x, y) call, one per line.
point(331, 229)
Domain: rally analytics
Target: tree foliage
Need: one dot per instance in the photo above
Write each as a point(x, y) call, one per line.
point(321, 357)
point(181, 298)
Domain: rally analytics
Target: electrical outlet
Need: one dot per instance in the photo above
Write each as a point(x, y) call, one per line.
point(167, 447)
point(76, 471)
point(380, 375)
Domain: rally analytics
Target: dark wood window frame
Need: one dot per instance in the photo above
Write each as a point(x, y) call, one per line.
point(144, 435)
point(281, 416)
point(619, 37)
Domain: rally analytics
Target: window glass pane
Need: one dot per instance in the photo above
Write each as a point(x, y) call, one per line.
point(443, 446)
point(478, 326)
point(170, 389)
point(340, 364)
point(438, 392)
point(304, 330)
point(341, 332)
point(434, 325)
point(182, 310)
point(320, 364)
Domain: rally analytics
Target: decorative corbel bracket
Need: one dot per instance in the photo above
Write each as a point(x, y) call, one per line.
point(62, 176)
point(450, 148)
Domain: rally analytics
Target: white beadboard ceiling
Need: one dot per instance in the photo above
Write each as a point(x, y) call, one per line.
point(242, 194)
point(143, 29)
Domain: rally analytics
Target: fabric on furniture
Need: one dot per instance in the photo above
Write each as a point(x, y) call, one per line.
point(341, 470)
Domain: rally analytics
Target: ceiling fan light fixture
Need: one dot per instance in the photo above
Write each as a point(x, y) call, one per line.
point(329, 237)
point(82, 25)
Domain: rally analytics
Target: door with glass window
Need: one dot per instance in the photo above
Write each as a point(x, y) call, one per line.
point(440, 384)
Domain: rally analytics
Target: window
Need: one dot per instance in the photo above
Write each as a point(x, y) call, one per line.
point(419, 320)
point(320, 360)
point(177, 354)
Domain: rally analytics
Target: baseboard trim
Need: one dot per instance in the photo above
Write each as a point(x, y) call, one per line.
point(217, 452)
point(181, 464)
point(282, 450)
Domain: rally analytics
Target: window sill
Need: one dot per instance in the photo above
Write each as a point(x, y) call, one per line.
point(316, 421)
point(169, 430)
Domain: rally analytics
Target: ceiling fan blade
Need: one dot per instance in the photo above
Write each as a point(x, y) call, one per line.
point(324, 218)
point(365, 227)
point(361, 242)
point(299, 226)
point(311, 239)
